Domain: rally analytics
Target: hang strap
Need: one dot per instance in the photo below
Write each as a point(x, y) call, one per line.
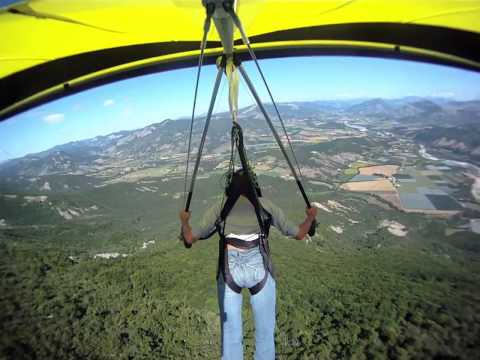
point(233, 84)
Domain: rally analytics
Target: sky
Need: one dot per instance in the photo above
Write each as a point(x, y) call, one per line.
point(138, 102)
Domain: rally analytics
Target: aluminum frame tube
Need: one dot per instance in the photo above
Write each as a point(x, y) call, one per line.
point(206, 29)
point(274, 132)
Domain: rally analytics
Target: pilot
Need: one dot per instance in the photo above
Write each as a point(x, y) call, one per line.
point(242, 219)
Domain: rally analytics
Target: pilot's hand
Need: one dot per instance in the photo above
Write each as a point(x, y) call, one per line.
point(184, 216)
point(311, 212)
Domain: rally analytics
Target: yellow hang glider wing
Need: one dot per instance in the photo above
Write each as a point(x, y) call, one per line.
point(52, 48)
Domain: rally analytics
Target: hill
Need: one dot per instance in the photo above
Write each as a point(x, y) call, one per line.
point(464, 140)
point(91, 267)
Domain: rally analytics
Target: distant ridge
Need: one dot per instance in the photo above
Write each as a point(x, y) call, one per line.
point(150, 144)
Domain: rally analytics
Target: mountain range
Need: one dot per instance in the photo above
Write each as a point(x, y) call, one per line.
point(446, 124)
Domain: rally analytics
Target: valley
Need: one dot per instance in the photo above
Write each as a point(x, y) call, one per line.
point(92, 267)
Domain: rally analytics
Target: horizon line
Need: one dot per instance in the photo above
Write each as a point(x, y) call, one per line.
point(199, 116)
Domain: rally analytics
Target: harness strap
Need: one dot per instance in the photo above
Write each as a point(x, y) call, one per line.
point(259, 286)
point(242, 244)
point(263, 218)
point(223, 261)
point(223, 266)
point(237, 140)
point(224, 269)
point(233, 84)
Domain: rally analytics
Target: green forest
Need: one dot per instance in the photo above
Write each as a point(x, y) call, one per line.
point(335, 300)
point(363, 293)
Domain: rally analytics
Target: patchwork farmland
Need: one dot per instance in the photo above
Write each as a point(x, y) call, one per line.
point(410, 188)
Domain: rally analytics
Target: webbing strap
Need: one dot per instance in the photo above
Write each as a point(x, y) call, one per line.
point(233, 82)
point(242, 244)
point(230, 203)
point(237, 140)
point(259, 286)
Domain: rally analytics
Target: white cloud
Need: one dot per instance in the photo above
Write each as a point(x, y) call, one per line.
point(54, 118)
point(108, 102)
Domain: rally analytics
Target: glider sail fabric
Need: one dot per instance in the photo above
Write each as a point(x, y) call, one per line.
point(52, 48)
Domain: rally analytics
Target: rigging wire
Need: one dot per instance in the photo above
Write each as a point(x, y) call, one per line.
point(224, 65)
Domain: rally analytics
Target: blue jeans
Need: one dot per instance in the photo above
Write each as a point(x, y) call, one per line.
point(247, 270)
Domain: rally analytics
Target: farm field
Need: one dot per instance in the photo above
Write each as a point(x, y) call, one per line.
point(408, 188)
point(385, 170)
point(369, 186)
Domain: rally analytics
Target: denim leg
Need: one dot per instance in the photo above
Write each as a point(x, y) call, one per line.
point(230, 304)
point(263, 305)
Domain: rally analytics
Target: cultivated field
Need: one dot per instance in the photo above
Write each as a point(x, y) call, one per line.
point(369, 186)
point(386, 170)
